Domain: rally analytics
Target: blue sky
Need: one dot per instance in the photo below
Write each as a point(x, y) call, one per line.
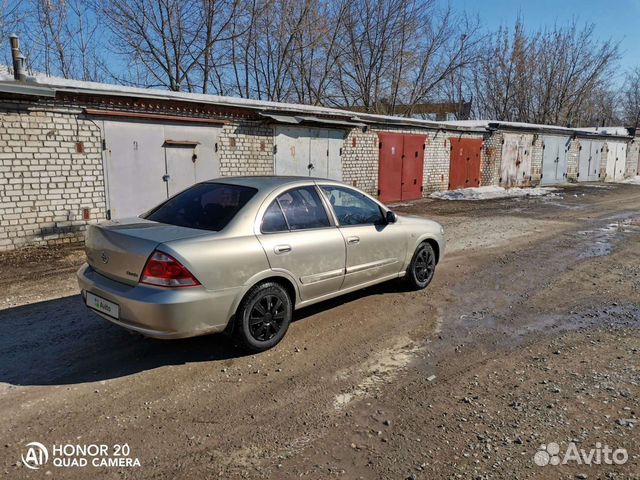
point(615, 19)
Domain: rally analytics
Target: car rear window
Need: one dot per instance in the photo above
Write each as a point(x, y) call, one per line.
point(205, 206)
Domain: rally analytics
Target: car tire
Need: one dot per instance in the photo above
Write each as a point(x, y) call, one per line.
point(422, 267)
point(263, 317)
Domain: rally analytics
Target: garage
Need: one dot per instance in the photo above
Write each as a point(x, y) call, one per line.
point(515, 168)
point(589, 160)
point(401, 165)
point(464, 167)
point(554, 159)
point(308, 151)
point(146, 162)
point(616, 161)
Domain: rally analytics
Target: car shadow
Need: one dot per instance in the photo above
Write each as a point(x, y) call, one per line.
point(59, 342)
point(379, 289)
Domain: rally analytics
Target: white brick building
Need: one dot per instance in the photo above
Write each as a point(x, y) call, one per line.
point(72, 153)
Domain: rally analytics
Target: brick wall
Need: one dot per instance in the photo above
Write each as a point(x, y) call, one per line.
point(437, 163)
point(537, 154)
point(45, 183)
point(360, 160)
point(51, 169)
point(604, 154)
point(633, 156)
point(246, 148)
point(436, 174)
point(573, 156)
point(491, 159)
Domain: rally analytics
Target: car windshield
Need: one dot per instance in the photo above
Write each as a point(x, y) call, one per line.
point(205, 206)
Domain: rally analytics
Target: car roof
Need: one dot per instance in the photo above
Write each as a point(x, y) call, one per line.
point(262, 182)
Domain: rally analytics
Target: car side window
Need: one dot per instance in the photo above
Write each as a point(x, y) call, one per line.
point(303, 209)
point(351, 207)
point(273, 220)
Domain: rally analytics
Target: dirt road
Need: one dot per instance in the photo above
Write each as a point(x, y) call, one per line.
point(528, 335)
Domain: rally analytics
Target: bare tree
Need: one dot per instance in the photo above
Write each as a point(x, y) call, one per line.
point(10, 17)
point(263, 58)
point(382, 56)
point(60, 37)
point(446, 45)
point(176, 44)
point(316, 46)
point(398, 53)
point(545, 77)
point(365, 60)
point(217, 17)
point(157, 35)
point(631, 99)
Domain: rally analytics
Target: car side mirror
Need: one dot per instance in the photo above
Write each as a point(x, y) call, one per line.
point(391, 217)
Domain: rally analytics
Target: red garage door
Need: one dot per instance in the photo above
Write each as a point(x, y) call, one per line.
point(464, 168)
point(401, 166)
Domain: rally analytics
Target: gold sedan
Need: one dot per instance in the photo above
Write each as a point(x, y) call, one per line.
point(240, 254)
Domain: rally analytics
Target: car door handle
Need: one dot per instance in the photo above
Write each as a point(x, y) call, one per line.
point(280, 249)
point(353, 240)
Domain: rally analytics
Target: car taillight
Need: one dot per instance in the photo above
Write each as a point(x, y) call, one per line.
point(165, 271)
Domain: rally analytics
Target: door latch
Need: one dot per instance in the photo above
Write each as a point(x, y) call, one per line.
point(279, 249)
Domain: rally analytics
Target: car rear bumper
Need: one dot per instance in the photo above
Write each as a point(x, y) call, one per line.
point(161, 312)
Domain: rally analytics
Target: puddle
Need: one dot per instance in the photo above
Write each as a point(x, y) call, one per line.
point(602, 239)
point(554, 201)
point(613, 315)
point(513, 331)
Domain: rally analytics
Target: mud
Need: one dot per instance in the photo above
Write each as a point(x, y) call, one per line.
point(528, 335)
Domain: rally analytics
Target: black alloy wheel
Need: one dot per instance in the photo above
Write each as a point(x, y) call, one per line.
point(263, 317)
point(422, 267)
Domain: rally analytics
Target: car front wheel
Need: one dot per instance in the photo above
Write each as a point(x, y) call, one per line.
point(422, 267)
point(263, 317)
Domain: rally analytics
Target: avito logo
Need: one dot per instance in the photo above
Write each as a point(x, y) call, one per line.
point(36, 456)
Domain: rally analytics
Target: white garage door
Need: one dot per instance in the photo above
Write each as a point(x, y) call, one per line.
point(306, 151)
point(554, 159)
point(616, 161)
point(515, 168)
point(146, 162)
point(589, 161)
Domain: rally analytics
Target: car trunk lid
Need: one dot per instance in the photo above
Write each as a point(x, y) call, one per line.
point(120, 249)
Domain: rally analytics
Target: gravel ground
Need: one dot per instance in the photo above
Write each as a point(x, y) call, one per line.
point(527, 337)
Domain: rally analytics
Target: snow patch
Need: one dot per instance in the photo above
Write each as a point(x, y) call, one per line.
point(380, 369)
point(633, 180)
point(619, 131)
point(492, 192)
point(609, 131)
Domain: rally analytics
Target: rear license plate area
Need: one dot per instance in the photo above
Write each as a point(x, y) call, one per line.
point(102, 305)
